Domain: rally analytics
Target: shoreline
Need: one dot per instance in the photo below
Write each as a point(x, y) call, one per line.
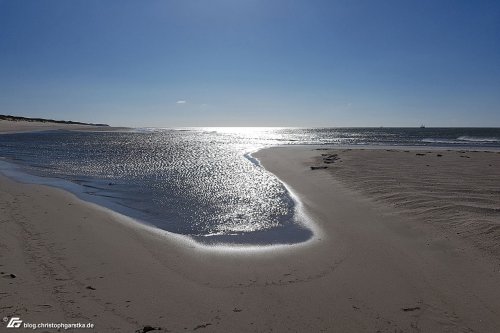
point(367, 271)
point(16, 173)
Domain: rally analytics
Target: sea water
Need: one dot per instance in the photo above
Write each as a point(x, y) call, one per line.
point(200, 182)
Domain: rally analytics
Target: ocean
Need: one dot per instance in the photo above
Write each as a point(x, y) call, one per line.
point(202, 183)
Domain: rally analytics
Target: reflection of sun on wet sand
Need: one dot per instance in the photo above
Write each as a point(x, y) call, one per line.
point(370, 267)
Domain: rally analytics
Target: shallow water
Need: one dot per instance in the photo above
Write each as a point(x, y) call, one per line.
point(201, 183)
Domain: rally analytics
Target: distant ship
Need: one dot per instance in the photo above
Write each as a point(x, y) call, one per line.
point(422, 126)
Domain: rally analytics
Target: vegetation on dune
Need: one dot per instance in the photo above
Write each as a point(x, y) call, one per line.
point(42, 120)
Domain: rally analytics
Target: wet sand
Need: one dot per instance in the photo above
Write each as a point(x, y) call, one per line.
point(369, 267)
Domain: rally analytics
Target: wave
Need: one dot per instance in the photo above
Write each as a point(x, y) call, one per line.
point(448, 141)
point(478, 139)
point(463, 140)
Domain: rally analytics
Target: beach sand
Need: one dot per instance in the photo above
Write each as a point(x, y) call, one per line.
point(456, 190)
point(371, 267)
point(7, 126)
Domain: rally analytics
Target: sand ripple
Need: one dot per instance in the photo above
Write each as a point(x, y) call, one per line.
point(458, 191)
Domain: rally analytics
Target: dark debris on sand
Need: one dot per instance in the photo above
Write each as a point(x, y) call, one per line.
point(9, 276)
point(318, 167)
point(148, 328)
point(330, 158)
point(202, 326)
point(411, 309)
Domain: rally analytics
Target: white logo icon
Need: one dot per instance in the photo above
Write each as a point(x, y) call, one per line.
point(14, 322)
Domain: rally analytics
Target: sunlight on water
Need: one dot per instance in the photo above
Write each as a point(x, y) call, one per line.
point(200, 182)
point(192, 182)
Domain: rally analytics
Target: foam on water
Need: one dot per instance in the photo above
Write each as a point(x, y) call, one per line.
point(478, 139)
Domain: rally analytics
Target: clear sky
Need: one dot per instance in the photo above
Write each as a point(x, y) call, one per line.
point(252, 62)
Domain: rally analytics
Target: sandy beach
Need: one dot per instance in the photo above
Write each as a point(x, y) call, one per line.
point(404, 243)
point(455, 190)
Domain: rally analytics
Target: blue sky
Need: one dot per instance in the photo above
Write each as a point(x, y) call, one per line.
point(252, 62)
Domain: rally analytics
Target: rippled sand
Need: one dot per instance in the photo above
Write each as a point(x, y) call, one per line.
point(455, 190)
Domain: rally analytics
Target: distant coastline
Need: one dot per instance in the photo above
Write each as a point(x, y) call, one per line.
point(43, 120)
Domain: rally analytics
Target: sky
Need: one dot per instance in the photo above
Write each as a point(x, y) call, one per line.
point(309, 63)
